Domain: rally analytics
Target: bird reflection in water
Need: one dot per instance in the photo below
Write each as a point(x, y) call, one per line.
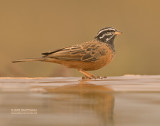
point(82, 104)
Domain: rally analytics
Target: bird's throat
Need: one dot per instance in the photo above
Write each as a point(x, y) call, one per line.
point(108, 41)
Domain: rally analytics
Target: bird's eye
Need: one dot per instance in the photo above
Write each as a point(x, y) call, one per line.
point(110, 31)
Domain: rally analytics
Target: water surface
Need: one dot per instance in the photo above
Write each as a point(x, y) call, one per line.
point(116, 101)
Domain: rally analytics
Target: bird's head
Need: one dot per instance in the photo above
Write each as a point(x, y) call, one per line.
point(107, 35)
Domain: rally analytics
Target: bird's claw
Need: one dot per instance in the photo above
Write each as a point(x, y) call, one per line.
point(93, 77)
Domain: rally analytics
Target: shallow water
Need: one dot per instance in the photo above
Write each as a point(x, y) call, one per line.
point(116, 101)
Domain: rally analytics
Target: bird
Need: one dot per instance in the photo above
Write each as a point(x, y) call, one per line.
point(87, 56)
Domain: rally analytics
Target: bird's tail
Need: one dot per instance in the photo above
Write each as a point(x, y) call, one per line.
point(28, 60)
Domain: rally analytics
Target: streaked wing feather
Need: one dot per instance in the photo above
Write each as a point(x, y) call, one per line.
point(70, 53)
point(87, 52)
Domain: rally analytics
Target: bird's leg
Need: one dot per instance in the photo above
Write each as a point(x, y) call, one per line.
point(88, 75)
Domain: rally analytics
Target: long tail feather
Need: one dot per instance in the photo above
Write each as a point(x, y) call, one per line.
point(28, 60)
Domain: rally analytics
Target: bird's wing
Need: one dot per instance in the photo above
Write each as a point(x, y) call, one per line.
point(87, 52)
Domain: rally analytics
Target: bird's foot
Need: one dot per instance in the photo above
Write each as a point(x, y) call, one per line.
point(88, 76)
point(99, 77)
point(93, 77)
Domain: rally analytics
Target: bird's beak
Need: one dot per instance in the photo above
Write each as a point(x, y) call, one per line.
point(117, 33)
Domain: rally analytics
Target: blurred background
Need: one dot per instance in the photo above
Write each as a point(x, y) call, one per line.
point(30, 27)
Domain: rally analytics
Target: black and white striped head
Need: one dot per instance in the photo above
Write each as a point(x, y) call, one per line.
point(107, 35)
